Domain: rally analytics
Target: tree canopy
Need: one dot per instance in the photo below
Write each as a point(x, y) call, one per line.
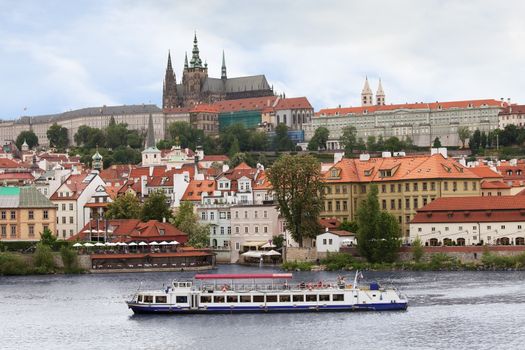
point(318, 141)
point(296, 181)
point(186, 220)
point(29, 137)
point(156, 207)
point(127, 206)
point(463, 134)
point(349, 140)
point(281, 140)
point(436, 143)
point(378, 231)
point(57, 136)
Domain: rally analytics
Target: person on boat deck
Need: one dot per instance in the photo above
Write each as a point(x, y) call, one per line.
point(302, 285)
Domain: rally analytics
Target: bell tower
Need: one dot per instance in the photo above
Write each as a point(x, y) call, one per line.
point(193, 77)
point(169, 91)
point(366, 95)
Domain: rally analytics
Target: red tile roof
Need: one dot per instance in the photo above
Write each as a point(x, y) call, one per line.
point(75, 185)
point(293, 103)
point(513, 109)
point(485, 172)
point(137, 173)
point(494, 185)
point(341, 233)
point(245, 104)
point(425, 106)
point(196, 188)
point(331, 223)
point(475, 203)
point(17, 176)
point(9, 164)
point(262, 182)
point(216, 158)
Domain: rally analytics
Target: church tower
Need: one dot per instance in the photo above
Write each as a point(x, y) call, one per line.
point(194, 76)
point(380, 95)
point(97, 163)
point(366, 95)
point(169, 91)
point(223, 68)
point(151, 154)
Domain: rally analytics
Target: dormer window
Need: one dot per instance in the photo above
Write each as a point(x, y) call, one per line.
point(385, 173)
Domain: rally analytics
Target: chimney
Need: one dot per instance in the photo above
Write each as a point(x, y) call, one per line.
point(151, 171)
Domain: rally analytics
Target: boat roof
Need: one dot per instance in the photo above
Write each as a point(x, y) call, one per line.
point(230, 276)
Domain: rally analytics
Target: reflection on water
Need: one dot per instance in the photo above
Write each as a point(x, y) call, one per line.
point(448, 310)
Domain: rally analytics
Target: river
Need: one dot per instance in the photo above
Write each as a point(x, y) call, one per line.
point(447, 310)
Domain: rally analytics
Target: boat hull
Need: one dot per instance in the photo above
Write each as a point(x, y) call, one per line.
point(166, 309)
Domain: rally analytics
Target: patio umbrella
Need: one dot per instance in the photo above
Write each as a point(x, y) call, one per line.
point(99, 244)
point(153, 243)
point(132, 244)
point(252, 254)
point(111, 244)
point(268, 245)
point(272, 253)
point(88, 244)
point(163, 243)
point(122, 243)
point(173, 243)
point(143, 243)
point(76, 245)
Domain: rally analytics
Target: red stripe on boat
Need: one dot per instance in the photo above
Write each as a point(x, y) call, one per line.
point(230, 276)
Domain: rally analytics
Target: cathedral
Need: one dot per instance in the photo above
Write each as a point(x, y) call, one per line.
point(367, 97)
point(197, 87)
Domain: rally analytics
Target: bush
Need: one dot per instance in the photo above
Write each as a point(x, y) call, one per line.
point(19, 246)
point(417, 250)
point(10, 264)
point(43, 259)
point(297, 266)
point(70, 260)
point(337, 261)
point(442, 261)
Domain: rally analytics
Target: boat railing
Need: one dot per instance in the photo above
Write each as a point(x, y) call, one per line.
point(248, 287)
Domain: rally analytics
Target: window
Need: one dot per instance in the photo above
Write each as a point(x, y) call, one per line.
point(433, 229)
point(415, 186)
point(419, 229)
point(392, 188)
point(245, 229)
point(330, 241)
point(218, 298)
point(203, 216)
point(344, 189)
point(324, 241)
point(329, 205)
point(338, 297)
point(425, 201)
point(399, 187)
point(519, 227)
point(298, 297)
point(465, 186)
point(161, 299)
point(3, 231)
point(63, 219)
point(337, 206)
point(214, 230)
point(71, 220)
point(425, 186)
point(383, 204)
point(256, 229)
point(13, 215)
point(407, 218)
point(63, 206)
point(229, 215)
point(416, 203)
point(13, 230)
point(460, 228)
point(474, 228)
point(237, 229)
point(232, 299)
point(284, 298)
point(271, 298)
point(229, 230)
point(236, 214)
point(383, 188)
point(446, 228)
point(3, 215)
point(432, 186)
point(265, 214)
point(445, 184)
point(407, 203)
point(70, 206)
point(205, 298)
point(489, 227)
point(363, 188)
point(212, 216)
point(454, 186)
point(474, 186)
point(31, 215)
point(246, 215)
point(407, 187)
point(265, 229)
point(324, 297)
point(31, 230)
point(148, 298)
point(46, 214)
point(222, 215)
point(237, 245)
point(258, 298)
point(246, 298)
point(222, 230)
point(311, 297)
point(502, 227)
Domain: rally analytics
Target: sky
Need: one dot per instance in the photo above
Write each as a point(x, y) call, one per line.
point(57, 56)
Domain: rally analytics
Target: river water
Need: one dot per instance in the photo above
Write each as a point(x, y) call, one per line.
point(447, 310)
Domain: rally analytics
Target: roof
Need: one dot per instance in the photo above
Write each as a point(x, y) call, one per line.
point(75, 185)
point(9, 164)
point(23, 197)
point(422, 106)
point(293, 103)
point(494, 185)
point(216, 158)
point(513, 109)
point(262, 182)
point(16, 176)
point(341, 233)
point(475, 203)
point(150, 255)
point(398, 168)
point(485, 172)
point(196, 188)
point(330, 223)
point(245, 104)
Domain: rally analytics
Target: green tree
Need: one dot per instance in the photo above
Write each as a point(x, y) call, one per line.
point(371, 145)
point(281, 140)
point(297, 184)
point(48, 238)
point(29, 137)
point(126, 155)
point(164, 144)
point(437, 143)
point(116, 134)
point(378, 231)
point(82, 135)
point(156, 207)
point(234, 148)
point(43, 259)
point(57, 136)
point(393, 144)
point(187, 136)
point(239, 158)
point(417, 250)
point(186, 220)
point(134, 139)
point(475, 142)
point(124, 207)
point(463, 134)
point(70, 260)
point(349, 140)
point(350, 226)
point(258, 141)
point(319, 139)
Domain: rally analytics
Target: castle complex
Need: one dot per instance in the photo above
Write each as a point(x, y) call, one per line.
point(197, 87)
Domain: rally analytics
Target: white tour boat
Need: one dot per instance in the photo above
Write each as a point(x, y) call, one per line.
point(233, 293)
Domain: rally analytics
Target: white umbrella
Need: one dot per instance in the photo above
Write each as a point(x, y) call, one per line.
point(174, 243)
point(252, 254)
point(89, 244)
point(122, 243)
point(77, 245)
point(143, 243)
point(111, 244)
point(271, 253)
point(132, 243)
point(153, 243)
point(268, 245)
point(98, 244)
point(163, 243)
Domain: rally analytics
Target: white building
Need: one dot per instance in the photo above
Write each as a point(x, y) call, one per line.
point(471, 221)
point(333, 240)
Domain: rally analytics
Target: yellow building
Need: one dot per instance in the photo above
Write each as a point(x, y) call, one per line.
point(404, 184)
point(24, 214)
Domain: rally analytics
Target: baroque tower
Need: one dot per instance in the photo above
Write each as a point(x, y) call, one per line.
point(194, 76)
point(169, 92)
point(367, 95)
point(380, 95)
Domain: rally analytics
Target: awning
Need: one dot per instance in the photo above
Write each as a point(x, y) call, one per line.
point(254, 243)
point(253, 254)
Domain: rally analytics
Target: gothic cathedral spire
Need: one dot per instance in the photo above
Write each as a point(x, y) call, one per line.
point(185, 60)
point(150, 137)
point(367, 95)
point(380, 95)
point(223, 69)
point(169, 93)
point(196, 61)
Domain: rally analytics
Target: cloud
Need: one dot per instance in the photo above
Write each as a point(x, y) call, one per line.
point(62, 55)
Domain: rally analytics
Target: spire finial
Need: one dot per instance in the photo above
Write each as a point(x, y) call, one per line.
point(223, 68)
point(185, 59)
point(150, 138)
point(196, 61)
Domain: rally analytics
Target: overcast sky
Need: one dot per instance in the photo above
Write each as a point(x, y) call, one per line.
point(62, 55)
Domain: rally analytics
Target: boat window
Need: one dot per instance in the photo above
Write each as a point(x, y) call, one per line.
point(298, 297)
point(246, 298)
point(271, 298)
point(148, 298)
point(139, 298)
point(160, 299)
point(218, 299)
point(284, 298)
point(338, 297)
point(311, 297)
point(324, 297)
point(205, 298)
point(181, 299)
point(258, 298)
point(232, 298)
